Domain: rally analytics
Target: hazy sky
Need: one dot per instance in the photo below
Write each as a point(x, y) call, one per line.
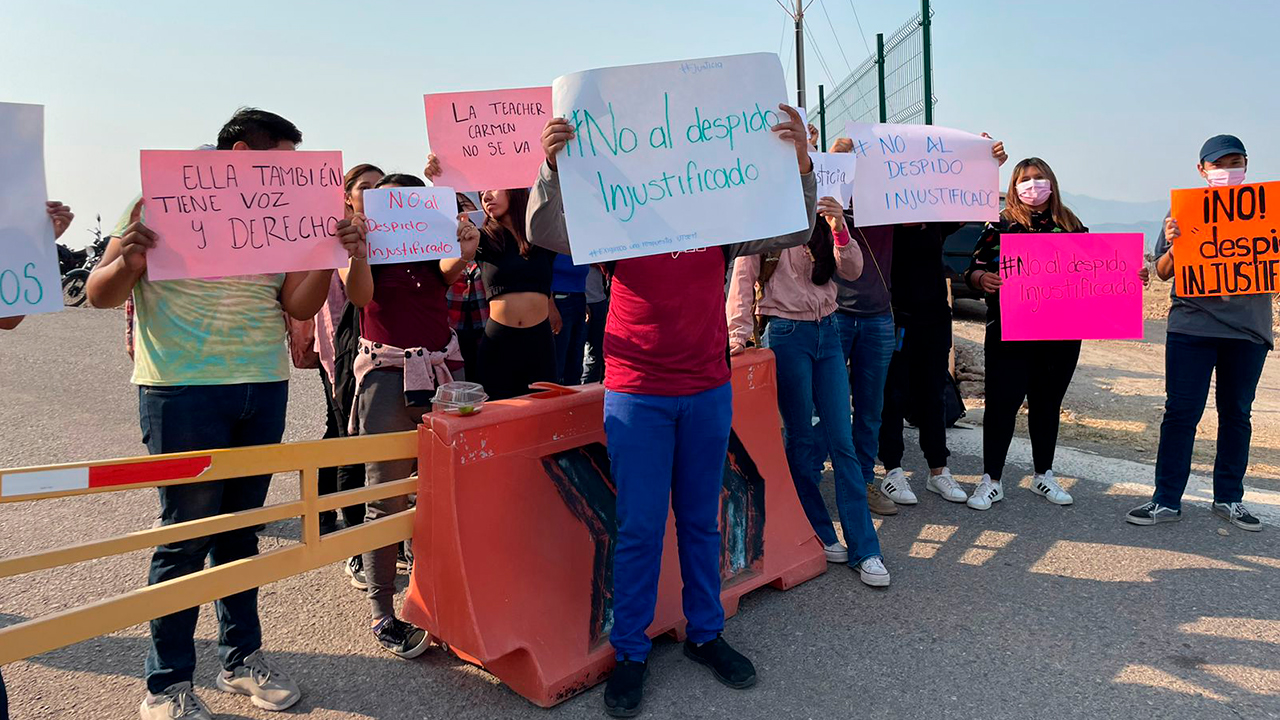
point(1117, 95)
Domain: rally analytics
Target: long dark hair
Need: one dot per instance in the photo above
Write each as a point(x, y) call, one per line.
point(821, 247)
point(497, 234)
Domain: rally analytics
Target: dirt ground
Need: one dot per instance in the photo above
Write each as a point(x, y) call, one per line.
point(1116, 400)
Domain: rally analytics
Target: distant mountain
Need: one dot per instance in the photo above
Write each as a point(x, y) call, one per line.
point(1117, 216)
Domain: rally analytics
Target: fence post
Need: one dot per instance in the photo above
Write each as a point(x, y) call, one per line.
point(927, 39)
point(884, 108)
point(822, 118)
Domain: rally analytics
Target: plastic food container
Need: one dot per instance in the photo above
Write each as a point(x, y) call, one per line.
point(459, 398)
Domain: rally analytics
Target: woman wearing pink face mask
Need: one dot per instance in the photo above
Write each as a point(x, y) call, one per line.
point(1226, 336)
point(1036, 371)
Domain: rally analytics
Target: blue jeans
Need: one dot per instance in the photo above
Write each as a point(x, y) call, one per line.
point(206, 417)
point(1189, 362)
point(593, 357)
point(810, 362)
point(868, 344)
point(572, 339)
point(666, 451)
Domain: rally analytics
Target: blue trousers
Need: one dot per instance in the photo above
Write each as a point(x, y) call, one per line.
point(667, 452)
point(571, 342)
point(811, 370)
point(868, 342)
point(203, 417)
point(1189, 362)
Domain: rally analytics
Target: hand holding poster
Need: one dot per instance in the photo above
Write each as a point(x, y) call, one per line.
point(29, 277)
point(489, 140)
point(223, 213)
point(1071, 286)
point(1228, 244)
point(834, 173)
point(923, 173)
point(407, 224)
point(676, 156)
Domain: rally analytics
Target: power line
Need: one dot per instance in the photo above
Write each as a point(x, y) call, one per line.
point(823, 5)
point(821, 61)
point(860, 31)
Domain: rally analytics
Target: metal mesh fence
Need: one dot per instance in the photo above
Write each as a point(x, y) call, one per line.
point(856, 98)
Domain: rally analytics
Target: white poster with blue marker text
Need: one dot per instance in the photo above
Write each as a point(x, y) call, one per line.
point(676, 156)
point(922, 173)
point(29, 276)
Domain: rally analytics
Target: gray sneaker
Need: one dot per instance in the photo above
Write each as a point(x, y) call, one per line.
point(177, 702)
point(1237, 514)
point(1152, 513)
point(267, 687)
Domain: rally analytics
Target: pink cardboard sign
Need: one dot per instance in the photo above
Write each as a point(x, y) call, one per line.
point(224, 213)
point(488, 140)
point(1071, 286)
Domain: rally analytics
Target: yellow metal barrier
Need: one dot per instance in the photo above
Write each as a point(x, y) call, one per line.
point(57, 630)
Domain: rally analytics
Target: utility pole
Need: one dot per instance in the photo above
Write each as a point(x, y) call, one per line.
point(798, 15)
point(927, 39)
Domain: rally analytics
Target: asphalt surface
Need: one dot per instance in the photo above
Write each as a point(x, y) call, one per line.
point(1026, 610)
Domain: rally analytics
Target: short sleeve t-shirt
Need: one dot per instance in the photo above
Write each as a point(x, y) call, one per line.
point(1242, 317)
point(223, 331)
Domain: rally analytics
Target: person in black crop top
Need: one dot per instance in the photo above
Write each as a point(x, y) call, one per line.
point(518, 347)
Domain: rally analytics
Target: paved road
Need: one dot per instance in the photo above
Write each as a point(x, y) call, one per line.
point(1027, 610)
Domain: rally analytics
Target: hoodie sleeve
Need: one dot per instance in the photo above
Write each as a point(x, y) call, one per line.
point(545, 215)
point(740, 303)
point(849, 264)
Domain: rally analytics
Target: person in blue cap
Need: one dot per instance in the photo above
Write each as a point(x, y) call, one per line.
point(1228, 334)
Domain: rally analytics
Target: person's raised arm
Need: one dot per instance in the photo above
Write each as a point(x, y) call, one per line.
point(984, 254)
point(848, 254)
point(740, 303)
point(1164, 265)
point(544, 220)
point(304, 293)
point(123, 263)
point(468, 240)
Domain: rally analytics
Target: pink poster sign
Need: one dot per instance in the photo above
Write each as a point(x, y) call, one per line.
point(488, 140)
point(220, 213)
point(1071, 286)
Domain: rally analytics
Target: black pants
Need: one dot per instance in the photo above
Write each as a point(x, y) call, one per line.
point(593, 362)
point(915, 387)
point(347, 477)
point(512, 358)
point(469, 345)
point(1037, 371)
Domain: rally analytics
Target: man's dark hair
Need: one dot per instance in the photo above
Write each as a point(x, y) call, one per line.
point(258, 129)
point(401, 179)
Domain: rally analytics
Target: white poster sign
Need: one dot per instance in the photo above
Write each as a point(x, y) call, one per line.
point(30, 281)
point(676, 156)
point(408, 224)
point(922, 173)
point(834, 173)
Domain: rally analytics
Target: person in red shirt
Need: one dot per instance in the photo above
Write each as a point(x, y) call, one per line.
point(668, 410)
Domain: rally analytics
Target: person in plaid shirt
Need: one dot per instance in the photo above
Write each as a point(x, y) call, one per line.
point(468, 305)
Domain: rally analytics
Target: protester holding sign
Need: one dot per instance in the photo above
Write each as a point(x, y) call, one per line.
point(668, 407)
point(1226, 336)
point(468, 304)
point(212, 371)
point(792, 291)
point(407, 350)
point(1036, 371)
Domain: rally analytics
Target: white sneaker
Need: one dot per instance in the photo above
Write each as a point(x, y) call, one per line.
point(988, 491)
point(1047, 487)
point(873, 572)
point(836, 553)
point(176, 702)
point(947, 487)
point(896, 488)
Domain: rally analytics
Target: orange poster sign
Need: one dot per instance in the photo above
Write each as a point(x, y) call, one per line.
point(1228, 244)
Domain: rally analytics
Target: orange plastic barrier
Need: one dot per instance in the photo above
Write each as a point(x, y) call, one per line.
point(513, 538)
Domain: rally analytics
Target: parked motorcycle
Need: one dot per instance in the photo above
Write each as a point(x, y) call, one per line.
point(76, 278)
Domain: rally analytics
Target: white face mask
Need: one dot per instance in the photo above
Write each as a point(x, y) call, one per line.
point(1034, 192)
point(1221, 177)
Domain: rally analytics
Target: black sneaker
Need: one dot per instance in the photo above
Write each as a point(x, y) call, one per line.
point(328, 522)
point(355, 570)
point(400, 638)
point(625, 690)
point(1152, 513)
point(1237, 514)
point(404, 558)
point(728, 665)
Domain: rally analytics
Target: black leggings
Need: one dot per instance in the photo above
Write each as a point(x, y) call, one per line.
point(512, 358)
point(915, 386)
point(1037, 371)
